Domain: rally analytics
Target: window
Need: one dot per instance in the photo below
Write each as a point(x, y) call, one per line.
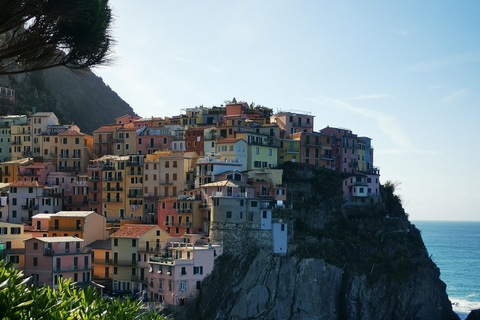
point(35, 246)
point(254, 204)
point(134, 271)
point(35, 261)
point(183, 285)
point(198, 285)
point(184, 271)
point(270, 152)
point(115, 270)
point(15, 259)
point(229, 214)
point(115, 242)
point(134, 242)
point(257, 150)
point(198, 270)
point(167, 164)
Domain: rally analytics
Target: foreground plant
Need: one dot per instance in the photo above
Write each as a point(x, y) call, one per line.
point(19, 300)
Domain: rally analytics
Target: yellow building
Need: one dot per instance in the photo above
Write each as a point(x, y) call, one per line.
point(131, 247)
point(74, 151)
point(12, 245)
point(289, 151)
point(9, 169)
point(124, 140)
point(21, 141)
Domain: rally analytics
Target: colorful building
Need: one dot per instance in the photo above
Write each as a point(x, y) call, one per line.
point(49, 259)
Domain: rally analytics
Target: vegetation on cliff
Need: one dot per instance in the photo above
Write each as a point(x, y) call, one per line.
point(343, 262)
point(81, 99)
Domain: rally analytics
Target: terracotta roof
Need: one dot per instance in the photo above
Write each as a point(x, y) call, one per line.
point(133, 230)
point(108, 128)
point(229, 140)
point(34, 184)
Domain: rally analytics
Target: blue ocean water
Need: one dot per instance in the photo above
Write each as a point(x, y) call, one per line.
point(455, 248)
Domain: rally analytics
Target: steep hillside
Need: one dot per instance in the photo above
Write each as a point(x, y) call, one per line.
point(81, 99)
point(343, 263)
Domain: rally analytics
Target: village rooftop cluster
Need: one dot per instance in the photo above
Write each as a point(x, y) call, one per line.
point(147, 204)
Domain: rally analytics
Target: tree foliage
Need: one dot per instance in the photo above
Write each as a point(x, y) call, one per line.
point(19, 300)
point(41, 34)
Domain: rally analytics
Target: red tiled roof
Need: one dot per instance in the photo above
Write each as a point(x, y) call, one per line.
point(108, 128)
point(34, 184)
point(229, 140)
point(133, 230)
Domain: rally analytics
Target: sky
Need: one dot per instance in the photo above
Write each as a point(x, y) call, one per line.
point(404, 73)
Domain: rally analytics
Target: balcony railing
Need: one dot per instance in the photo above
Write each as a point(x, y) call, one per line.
point(112, 179)
point(135, 195)
point(116, 200)
point(30, 206)
point(134, 173)
point(111, 189)
point(134, 163)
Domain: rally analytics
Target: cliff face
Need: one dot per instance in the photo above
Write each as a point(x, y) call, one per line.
point(343, 263)
point(83, 99)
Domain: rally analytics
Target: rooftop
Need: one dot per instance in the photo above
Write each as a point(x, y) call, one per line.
point(133, 230)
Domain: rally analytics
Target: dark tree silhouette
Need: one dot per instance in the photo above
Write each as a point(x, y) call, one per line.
point(41, 34)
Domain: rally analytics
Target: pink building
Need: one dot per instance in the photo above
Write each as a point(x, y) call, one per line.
point(176, 277)
point(37, 171)
point(151, 139)
point(50, 258)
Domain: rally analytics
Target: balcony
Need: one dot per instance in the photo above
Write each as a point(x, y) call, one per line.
point(186, 210)
point(111, 189)
point(94, 178)
point(112, 179)
point(185, 224)
point(114, 200)
point(139, 279)
point(149, 249)
point(30, 206)
point(108, 168)
point(169, 224)
point(134, 163)
point(135, 195)
point(134, 173)
point(16, 142)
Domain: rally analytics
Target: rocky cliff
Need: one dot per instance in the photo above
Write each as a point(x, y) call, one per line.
point(344, 262)
point(80, 98)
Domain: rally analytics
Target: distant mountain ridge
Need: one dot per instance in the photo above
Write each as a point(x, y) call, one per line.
point(83, 99)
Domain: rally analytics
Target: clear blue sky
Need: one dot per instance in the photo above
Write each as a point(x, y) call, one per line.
point(404, 73)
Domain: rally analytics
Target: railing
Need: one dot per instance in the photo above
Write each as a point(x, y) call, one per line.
point(112, 179)
point(134, 173)
point(134, 163)
point(139, 279)
point(135, 195)
point(116, 200)
point(94, 178)
point(108, 168)
point(30, 206)
point(169, 224)
point(110, 189)
point(184, 210)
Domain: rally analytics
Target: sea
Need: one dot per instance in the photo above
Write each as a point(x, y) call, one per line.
point(454, 246)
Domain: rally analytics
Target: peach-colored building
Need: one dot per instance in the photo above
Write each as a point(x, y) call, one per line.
point(50, 258)
point(12, 236)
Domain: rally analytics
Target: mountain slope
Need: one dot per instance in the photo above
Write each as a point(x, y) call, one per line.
point(81, 99)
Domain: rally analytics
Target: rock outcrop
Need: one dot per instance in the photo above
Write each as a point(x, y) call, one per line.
point(344, 263)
